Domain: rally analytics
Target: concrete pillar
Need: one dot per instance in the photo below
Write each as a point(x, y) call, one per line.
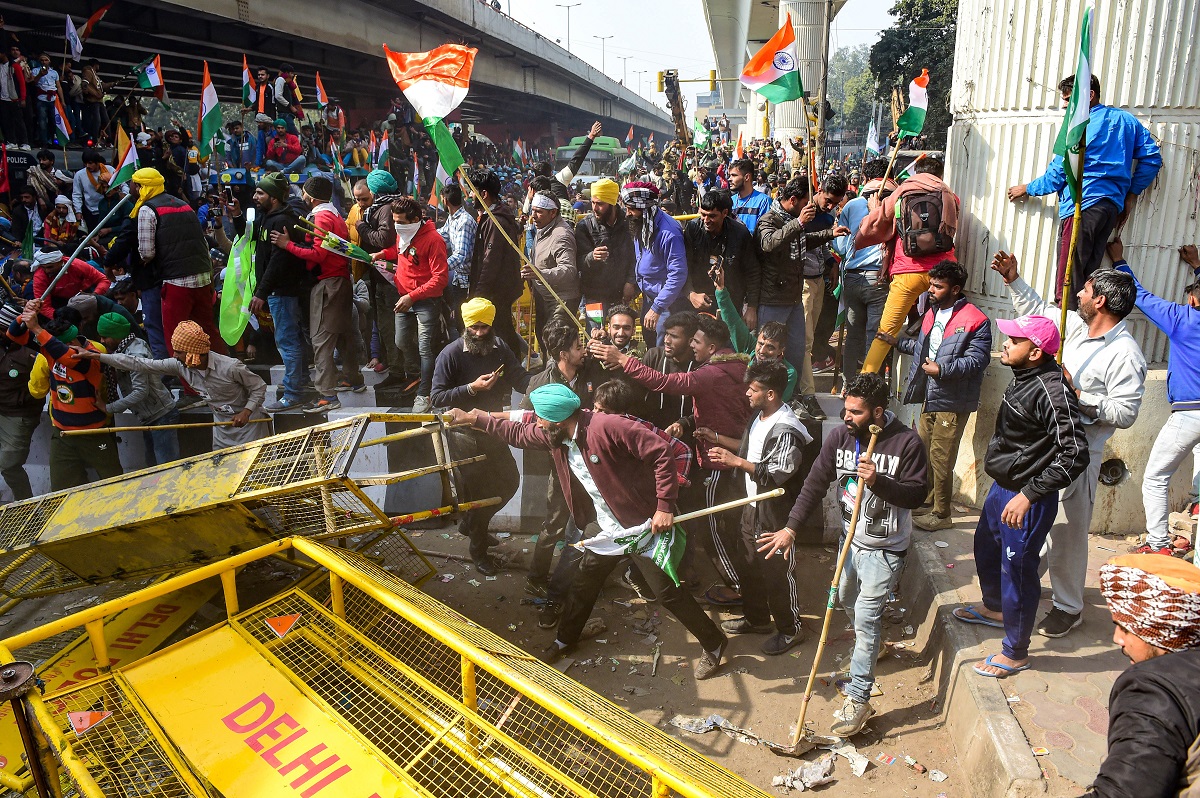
point(808, 23)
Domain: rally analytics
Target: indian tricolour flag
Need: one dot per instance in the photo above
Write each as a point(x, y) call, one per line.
point(912, 121)
point(774, 71)
point(249, 87)
point(738, 152)
point(434, 83)
point(372, 148)
point(1071, 136)
point(209, 124)
point(127, 160)
point(382, 154)
point(60, 119)
point(322, 97)
point(149, 74)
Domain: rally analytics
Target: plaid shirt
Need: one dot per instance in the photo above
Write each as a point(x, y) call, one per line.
point(459, 235)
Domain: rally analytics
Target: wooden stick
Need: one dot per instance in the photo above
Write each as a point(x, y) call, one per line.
point(829, 605)
point(1071, 250)
point(152, 428)
point(91, 234)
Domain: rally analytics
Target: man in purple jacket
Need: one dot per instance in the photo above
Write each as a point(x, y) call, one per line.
point(661, 268)
point(621, 476)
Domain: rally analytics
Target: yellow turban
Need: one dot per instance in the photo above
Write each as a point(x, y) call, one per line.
point(150, 181)
point(478, 311)
point(606, 191)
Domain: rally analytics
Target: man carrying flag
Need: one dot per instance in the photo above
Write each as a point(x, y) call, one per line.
point(620, 480)
point(1115, 139)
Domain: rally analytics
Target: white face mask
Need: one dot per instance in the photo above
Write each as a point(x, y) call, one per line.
point(405, 233)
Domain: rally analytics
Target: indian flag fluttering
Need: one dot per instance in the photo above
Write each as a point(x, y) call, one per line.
point(738, 152)
point(434, 83)
point(518, 152)
point(249, 87)
point(60, 119)
point(912, 121)
point(127, 161)
point(1071, 135)
point(382, 155)
point(774, 71)
point(209, 125)
point(149, 74)
point(322, 97)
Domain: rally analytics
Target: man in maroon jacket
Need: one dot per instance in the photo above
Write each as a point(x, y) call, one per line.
point(718, 395)
point(621, 475)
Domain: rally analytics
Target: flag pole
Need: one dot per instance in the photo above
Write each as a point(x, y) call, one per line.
point(1071, 251)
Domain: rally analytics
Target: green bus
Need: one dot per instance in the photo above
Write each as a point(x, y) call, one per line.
point(606, 154)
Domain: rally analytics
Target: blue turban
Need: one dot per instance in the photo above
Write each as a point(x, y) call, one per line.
point(381, 182)
point(554, 402)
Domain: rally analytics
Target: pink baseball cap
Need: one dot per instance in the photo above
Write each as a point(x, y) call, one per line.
point(1039, 329)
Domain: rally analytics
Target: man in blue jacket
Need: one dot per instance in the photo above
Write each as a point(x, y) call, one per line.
point(949, 356)
point(1111, 181)
point(1181, 325)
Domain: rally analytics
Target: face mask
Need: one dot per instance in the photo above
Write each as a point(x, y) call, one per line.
point(405, 233)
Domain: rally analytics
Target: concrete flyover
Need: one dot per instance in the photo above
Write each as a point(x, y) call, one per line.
point(519, 76)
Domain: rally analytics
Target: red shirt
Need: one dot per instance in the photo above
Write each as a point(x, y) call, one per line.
point(421, 270)
point(285, 149)
point(324, 262)
point(81, 276)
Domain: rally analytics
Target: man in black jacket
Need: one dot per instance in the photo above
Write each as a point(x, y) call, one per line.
point(495, 263)
point(1154, 707)
point(674, 356)
point(719, 239)
point(604, 253)
point(1038, 449)
point(283, 282)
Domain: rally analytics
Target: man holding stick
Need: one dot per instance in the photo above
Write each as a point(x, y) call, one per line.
point(894, 481)
point(622, 481)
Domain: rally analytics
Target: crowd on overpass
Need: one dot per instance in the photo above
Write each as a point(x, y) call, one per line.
point(684, 351)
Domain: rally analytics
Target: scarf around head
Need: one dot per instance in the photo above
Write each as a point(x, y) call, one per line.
point(190, 339)
point(1155, 597)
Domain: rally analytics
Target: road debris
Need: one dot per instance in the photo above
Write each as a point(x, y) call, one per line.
point(807, 776)
point(699, 724)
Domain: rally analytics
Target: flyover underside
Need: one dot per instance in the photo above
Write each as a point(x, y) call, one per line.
point(343, 41)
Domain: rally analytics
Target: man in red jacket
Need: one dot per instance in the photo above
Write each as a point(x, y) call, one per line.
point(329, 303)
point(81, 276)
point(719, 401)
point(284, 151)
point(422, 274)
point(619, 478)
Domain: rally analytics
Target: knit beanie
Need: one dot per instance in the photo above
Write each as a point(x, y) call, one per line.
point(112, 325)
point(275, 185)
point(319, 188)
point(381, 182)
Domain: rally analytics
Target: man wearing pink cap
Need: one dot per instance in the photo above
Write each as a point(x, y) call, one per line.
point(1038, 449)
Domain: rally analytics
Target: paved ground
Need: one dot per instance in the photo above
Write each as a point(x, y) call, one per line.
point(1062, 701)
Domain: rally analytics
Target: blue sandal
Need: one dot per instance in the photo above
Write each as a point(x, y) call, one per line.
point(976, 618)
point(1009, 670)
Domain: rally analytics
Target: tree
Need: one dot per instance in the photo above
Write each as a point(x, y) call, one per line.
point(922, 38)
point(851, 88)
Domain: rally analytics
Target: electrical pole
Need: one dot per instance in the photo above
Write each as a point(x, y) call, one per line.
point(624, 68)
point(822, 91)
point(603, 41)
point(639, 73)
point(568, 6)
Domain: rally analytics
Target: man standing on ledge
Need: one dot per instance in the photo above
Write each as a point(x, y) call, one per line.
point(621, 476)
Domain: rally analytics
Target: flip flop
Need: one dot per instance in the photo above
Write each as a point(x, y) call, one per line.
point(1009, 670)
point(976, 618)
point(731, 599)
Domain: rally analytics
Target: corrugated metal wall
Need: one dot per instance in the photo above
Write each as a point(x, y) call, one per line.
point(1010, 56)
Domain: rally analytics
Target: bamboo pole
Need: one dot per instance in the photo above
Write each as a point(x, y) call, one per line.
point(152, 428)
point(1065, 301)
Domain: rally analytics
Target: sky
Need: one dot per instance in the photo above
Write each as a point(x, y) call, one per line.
point(677, 41)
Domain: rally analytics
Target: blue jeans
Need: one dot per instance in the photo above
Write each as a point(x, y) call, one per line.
point(289, 340)
point(294, 166)
point(793, 317)
point(868, 579)
point(1007, 559)
point(423, 323)
point(45, 121)
point(162, 445)
point(864, 301)
point(152, 317)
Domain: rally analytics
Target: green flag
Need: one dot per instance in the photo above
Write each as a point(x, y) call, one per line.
point(448, 153)
point(27, 243)
point(1073, 132)
point(665, 550)
point(237, 290)
point(699, 134)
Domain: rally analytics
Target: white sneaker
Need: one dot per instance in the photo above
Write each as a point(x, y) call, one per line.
point(422, 404)
point(850, 719)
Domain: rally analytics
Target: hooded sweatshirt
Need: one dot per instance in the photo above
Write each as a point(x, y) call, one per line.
point(777, 465)
point(717, 390)
point(901, 484)
point(422, 271)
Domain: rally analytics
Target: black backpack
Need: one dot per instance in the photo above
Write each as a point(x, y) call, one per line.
point(919, 224)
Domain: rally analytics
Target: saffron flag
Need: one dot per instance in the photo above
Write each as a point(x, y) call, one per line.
point(912, 121)
point(1072, 134)
point(127, 160)
point(89, 27)
point(209, 124)
point(629, 136)
point(73, 40)
point(435, 83)
point(149, 75)
point(774, 71)
point(322, 97)
point(60, 119)
point(382, 155)
point(738, 152)
point(249, 87)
